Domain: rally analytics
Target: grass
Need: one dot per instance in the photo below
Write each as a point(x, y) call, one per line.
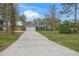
point(68, 40)
point(7, 39)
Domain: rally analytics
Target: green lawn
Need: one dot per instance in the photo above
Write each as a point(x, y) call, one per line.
point(68, 40)
point(7, 39)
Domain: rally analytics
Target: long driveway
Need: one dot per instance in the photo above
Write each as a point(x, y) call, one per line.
point(31, 43)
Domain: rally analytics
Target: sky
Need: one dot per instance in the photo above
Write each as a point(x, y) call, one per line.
point(34, 10)
point(38, 10)
point(37, 7)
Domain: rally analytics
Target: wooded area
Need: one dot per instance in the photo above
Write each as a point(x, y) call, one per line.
point(8, 16)
point(52, 20)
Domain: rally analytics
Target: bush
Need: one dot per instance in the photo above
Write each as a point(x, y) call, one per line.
point(43, 29)
point(37, 28)
point(23, 28)
point(20, 28)
point(64, 28)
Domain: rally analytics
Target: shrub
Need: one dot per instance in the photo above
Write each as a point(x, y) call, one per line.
point(23, 28)
point(20, 28)
point(64, 28)
point(43, 29)
point(37, 28)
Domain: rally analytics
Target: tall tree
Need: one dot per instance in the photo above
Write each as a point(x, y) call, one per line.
point(51, 18)
point(70, 9)
point(10, 17)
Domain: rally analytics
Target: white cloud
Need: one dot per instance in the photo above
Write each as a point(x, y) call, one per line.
point(30, 15)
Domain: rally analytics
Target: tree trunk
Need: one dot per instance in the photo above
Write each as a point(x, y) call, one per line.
point(13, 22)
point(10, 18)
point(75, 21)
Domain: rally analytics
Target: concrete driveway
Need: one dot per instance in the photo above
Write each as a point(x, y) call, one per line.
point(31, 43)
